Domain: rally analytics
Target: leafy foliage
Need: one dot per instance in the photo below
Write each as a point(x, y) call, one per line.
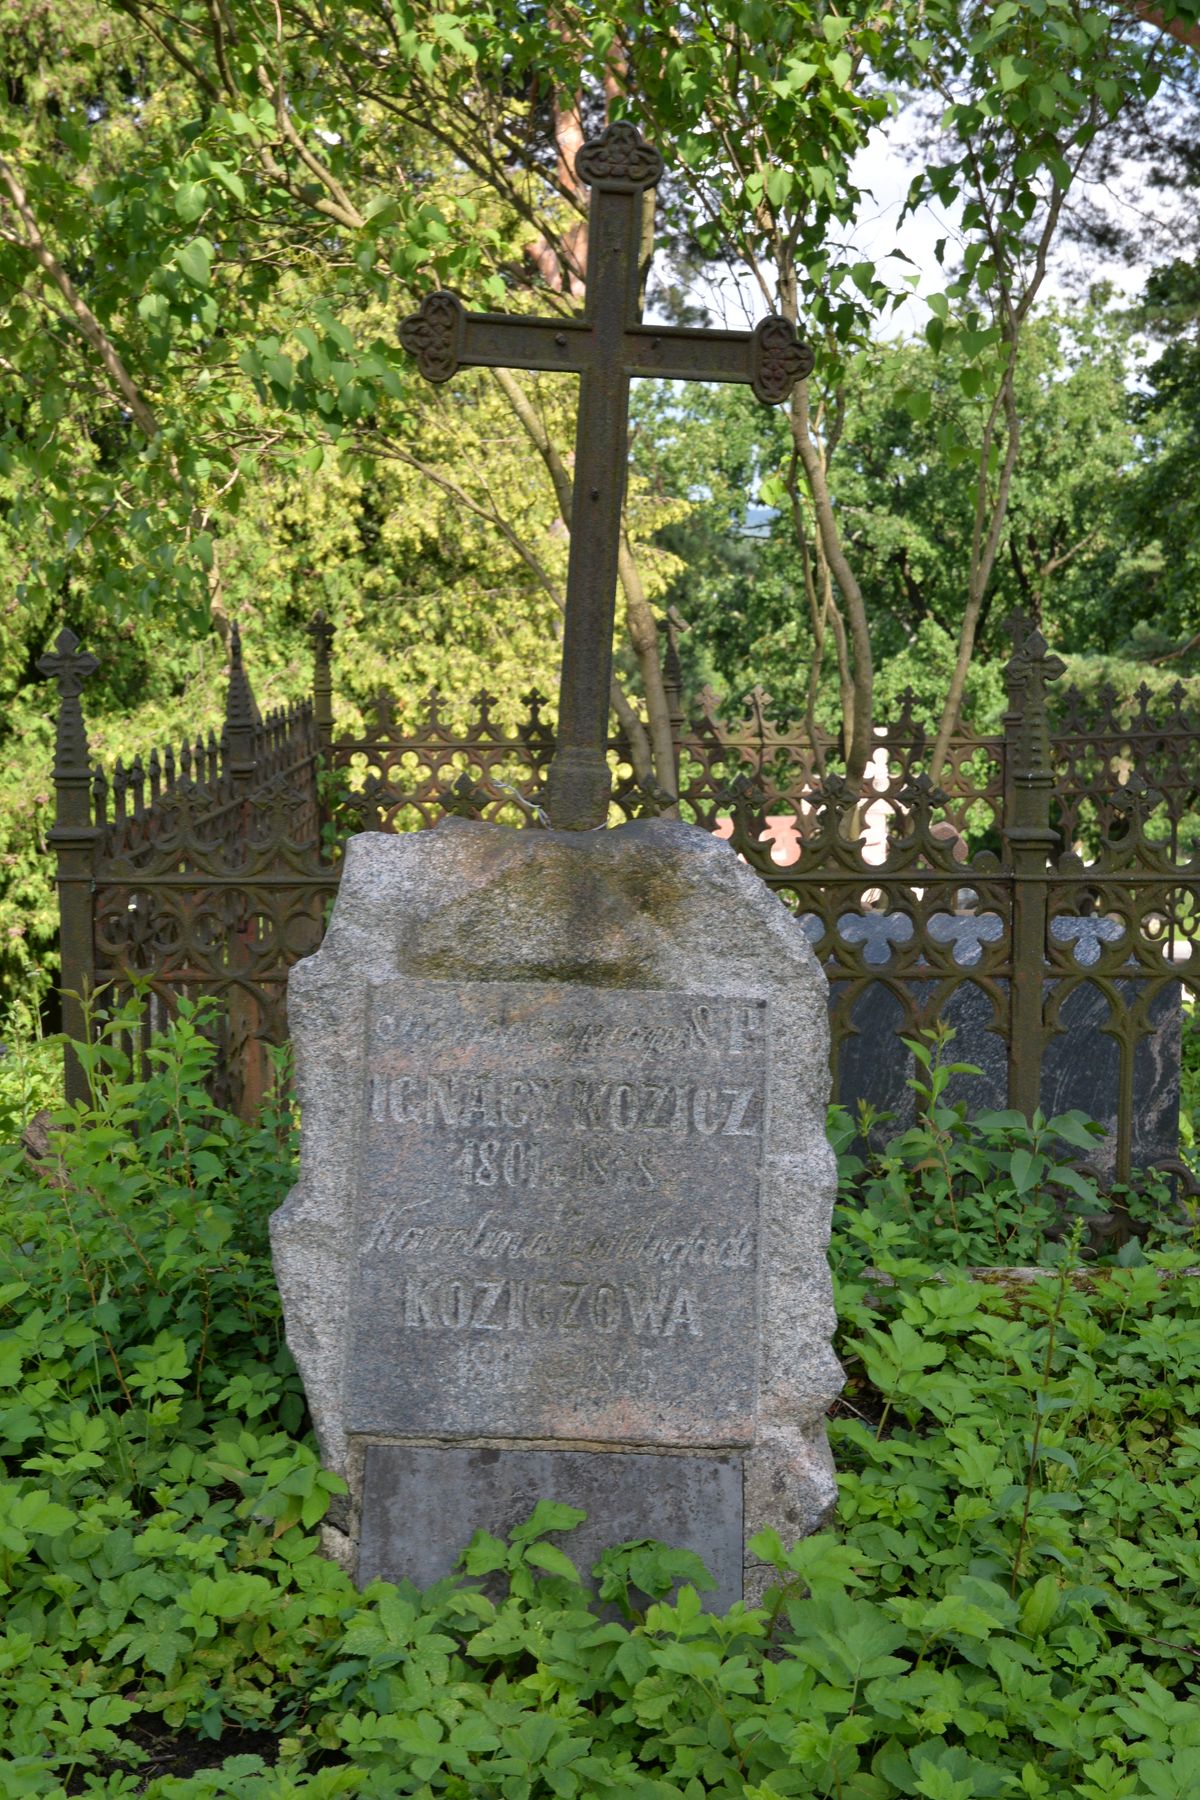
point(242, 197)
point(30, 1070)
point(904, 486)
point(996, 1188)
point(1006, 1605)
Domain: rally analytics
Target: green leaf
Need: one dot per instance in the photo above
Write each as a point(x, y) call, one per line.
point(1025, 1167)
point(191, 198)
point(194, 260)
point(11, 1359)
point(796, 78)
point(484, 1554)
point(279, 370)
point(38, 1515)
point(230, 180)
point(1075, 1128)
point(552, 1559)
point(1039, 1606)
point(547, 1515)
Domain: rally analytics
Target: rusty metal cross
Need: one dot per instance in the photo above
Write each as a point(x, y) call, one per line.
point(68, 664)
point(70, 667)
point(607, 346)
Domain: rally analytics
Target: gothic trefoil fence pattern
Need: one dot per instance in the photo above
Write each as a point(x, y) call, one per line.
point(1047, 878)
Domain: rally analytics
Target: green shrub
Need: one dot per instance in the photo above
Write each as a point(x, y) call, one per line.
point(997, 1189)
point(1189, 1077)
point(1006, 1605)
point(30, 1067)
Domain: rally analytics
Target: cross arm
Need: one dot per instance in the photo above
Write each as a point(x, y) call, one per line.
point(770, 359)
point(68, 665)
point(445, 337)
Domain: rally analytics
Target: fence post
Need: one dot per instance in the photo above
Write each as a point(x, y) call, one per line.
point(320, 630)
point(1030, 841)
point(672, 674)
point(242, 719)
point(73, 840)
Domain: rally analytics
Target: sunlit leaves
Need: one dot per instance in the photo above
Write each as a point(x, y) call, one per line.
point(194, 260)
point(191, 198)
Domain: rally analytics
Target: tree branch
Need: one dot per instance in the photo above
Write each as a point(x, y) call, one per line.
point(186, 63)
point(859, 745)
point(342, 208)
point(1179, 29)
point(631, 725)
point(89, 325)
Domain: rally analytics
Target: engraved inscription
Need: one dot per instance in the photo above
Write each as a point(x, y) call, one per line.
point(557, 1217)
point(521, 1103)
point(656, 1242)
point(511, 1305)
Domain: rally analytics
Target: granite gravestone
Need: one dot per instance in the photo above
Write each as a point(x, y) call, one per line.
point(565, 1196)
point(1080, 1064)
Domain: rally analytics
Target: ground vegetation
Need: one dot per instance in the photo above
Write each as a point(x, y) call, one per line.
point(1005, 1604)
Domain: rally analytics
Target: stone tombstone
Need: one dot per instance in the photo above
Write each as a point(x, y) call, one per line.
point(565, 1194)
point(1080, 1063)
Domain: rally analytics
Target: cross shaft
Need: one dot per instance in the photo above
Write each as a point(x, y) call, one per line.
point(606, 348)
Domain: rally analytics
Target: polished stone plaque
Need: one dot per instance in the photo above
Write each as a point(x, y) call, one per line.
point(556, 1228)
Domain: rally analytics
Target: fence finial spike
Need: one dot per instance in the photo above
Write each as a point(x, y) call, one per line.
point(320, 633)
point(243, 720)
point(241, 708)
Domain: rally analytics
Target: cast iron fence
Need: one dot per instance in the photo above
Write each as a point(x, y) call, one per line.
point(1047, 877)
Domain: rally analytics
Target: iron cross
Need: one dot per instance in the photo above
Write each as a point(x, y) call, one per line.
point(606, 347)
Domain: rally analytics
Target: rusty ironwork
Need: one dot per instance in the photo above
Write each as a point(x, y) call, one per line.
point(73, 839)
point(606, 347)
point(195, 871)
point(1049, 869)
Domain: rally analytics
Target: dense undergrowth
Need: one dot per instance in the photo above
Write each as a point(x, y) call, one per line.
point(1006, 1604)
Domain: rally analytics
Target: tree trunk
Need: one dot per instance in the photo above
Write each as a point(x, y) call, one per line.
point(859, 741)
point(643, 635)
point(985, 543)
point(646, 748)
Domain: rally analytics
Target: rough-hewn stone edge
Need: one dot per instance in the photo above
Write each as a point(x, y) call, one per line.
point(789, 1480)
